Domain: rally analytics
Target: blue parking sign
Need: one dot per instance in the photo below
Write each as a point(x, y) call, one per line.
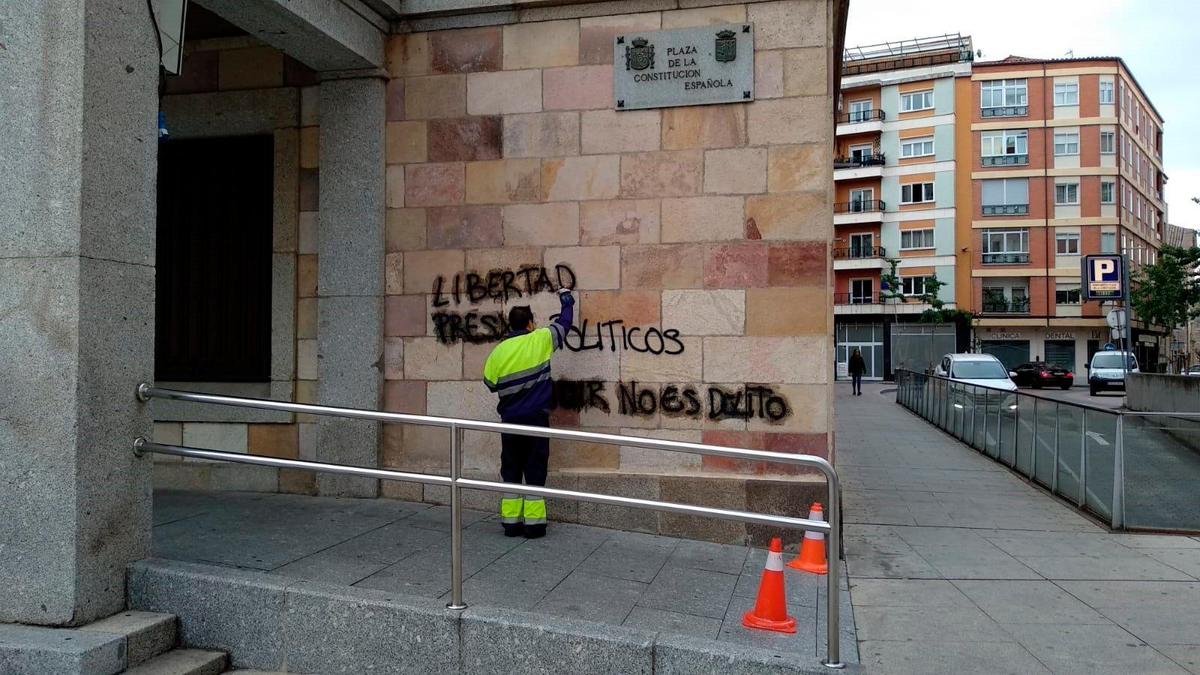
point(1102, 278)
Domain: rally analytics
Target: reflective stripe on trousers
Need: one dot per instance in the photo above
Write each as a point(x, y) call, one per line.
point(510, 509)
point(535, 510)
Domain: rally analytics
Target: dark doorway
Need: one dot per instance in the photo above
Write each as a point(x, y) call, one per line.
point(213, 286)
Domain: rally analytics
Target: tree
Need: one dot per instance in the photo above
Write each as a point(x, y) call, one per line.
point(1167, 293)
point(893, 289)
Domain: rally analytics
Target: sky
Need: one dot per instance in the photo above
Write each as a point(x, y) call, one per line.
point(1155, 37)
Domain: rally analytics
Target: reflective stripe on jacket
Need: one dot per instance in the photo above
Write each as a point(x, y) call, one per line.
point(518, 369)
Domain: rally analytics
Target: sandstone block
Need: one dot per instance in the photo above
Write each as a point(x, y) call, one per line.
point(768, 74)
point(551, 134)
point(806, 72)
point(626, 221)
point(581, 178)
point(787, 311)
point(705, 312)
point(687, 366)
point(252, 68)
point(504, 181)
point(469, 398)
point(427, 359)
point(405, 229)
point(434, 184)
point(306, 233)
point(168, 433)
point(577, 88)
point(484, 260)
point(611, 131)
point(435, 96)
point(706, 126)
point(663, 266)
point(394, 186)
point(702, 219)
point(589, 364)
point(786, 360)
point(792, 215)
point(612, 420)
point(404, 315)
point(595, 267)
point(647, 460)
point(596, 34)
point(797, 168)
point(422, 268)
point(393, 100)
point(474, 356)
point(781, 121)
point(737, 171)
point(306, 318)
point(310, 190)
point(406, 142)
point(465, 139)
point(591, 456)
point(635, 308)
point(306, 276)
point(541, 45)
point(809, 406)
point(778, 25)
point(504, 92)
point(393, 358)
point(393, 273)
point(404, 396)
point(736, 266)
point(273, 440)
point(408, 54)
point(310, 147)
point(555, 224)
point(465, 227)
point(306, 359)
point(466, 50)
point(704, 16)
point(662, 174)
point(803, 263)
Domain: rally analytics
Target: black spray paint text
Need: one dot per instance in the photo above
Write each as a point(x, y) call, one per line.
point(675, 400)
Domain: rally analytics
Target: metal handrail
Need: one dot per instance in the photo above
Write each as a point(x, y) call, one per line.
point(455, 481)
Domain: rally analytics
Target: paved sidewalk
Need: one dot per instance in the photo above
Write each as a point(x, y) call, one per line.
point(958, 565)
point(631, 579)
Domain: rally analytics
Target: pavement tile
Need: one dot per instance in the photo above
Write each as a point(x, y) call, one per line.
point(1090, 650)
point(1187, 656)
point(906, 593)
point(592, 598)
point(940, 657)
point(1123, 567)
point(1157, 625)
point(636, 559)
point(948, 624)
point(703, 555)
point(1157, 541)
point(690, 591)
point(673, 622)
point(1186, 560)
point(803, 641)
point(1028, 602)
point(975, 563)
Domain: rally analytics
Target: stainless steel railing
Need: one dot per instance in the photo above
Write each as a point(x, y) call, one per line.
point(455, 481)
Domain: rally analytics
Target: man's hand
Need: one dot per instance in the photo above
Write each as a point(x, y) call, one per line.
point(565, 297)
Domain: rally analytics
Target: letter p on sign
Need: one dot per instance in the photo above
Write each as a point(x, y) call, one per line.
point(1103, 277)
point(1103, 269)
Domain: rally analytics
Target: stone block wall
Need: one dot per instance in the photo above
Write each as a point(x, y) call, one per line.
point(696, 241)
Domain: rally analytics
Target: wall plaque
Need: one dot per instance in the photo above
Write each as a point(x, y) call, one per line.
point(690, 66)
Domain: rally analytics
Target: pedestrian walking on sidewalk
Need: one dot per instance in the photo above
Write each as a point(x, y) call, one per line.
point(857, 367)
point(518, 370)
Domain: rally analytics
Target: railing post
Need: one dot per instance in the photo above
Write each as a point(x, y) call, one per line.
point(1118, 493)
point(1033, 453)
point(1054, 469)
point(1083, 459)
point(456, 598)
point(833, 554)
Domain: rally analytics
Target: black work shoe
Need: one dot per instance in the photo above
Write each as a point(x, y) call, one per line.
point(514, 529)
point(535, 531)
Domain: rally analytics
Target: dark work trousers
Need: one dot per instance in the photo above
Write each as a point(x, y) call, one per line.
point(856, 382)
point(524, 458)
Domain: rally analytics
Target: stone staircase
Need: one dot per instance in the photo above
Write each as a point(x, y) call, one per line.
point(138, 643)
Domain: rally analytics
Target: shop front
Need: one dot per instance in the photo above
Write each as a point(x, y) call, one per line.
point(1070, 347)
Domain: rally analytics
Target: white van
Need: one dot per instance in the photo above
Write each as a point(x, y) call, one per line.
point(1106, 371)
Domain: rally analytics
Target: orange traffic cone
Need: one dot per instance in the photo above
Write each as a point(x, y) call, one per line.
point(812, 551)
point(770, 611)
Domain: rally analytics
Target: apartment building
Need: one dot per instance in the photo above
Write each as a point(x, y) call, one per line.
point(1059, 159)
point(895, 196)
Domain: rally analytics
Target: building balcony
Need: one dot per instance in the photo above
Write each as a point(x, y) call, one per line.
point(855, 212)
point(1006, 258)
point(1005, 209)
point(861, 166)
point(1005, 160)
point(860, 122)
point(859, 258)
point(1005, 306)
point(1005, 111)
point(857, 299)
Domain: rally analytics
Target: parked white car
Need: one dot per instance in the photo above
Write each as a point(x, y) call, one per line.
point(982, 370)
point(1107, 372)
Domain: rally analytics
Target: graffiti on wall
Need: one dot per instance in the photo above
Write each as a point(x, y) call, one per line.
point(714, 402)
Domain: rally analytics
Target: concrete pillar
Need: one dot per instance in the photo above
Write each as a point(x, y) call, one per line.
point(77, 223)
point(350, 278)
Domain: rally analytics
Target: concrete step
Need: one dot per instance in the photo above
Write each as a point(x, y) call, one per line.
point(33, 650)
point(183, 662)
point(147, 634)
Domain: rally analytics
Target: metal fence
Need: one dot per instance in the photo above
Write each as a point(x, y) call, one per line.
point(455, 481)
point(1135, 471)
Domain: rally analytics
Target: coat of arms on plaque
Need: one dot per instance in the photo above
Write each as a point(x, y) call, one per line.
point(726, 49)
point(640, 56)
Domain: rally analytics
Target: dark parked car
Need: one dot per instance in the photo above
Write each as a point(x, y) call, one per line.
point(1041, 374)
